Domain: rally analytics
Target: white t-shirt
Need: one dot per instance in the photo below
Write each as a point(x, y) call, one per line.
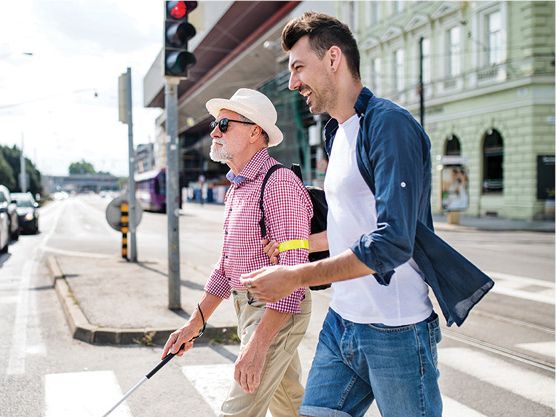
point(352, 213)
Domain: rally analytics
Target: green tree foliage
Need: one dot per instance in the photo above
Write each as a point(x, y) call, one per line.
point(7, 177)
point(10, 169)
point(81, 167)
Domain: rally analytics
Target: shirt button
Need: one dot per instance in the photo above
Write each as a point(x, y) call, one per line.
point(403, 184)
point(225, 256)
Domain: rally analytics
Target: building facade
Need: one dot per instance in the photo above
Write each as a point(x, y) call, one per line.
point(488, 76)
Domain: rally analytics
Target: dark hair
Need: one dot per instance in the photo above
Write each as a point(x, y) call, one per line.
point(324, 32)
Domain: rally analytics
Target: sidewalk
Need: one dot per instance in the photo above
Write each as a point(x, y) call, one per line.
point(112, 301)
point(492, 224)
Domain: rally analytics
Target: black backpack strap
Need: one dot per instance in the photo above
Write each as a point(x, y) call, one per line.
point(262, 224)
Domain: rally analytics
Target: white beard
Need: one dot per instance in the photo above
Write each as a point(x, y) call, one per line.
point(219, 155)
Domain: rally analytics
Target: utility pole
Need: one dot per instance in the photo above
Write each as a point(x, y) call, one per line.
point(172, 193)
point(23, 169)
point(126, 116)
point(421, 85)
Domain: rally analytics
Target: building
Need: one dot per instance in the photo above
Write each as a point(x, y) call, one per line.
point(488, 73)
point(144, 157)
point(488, 76)
point(80, 183)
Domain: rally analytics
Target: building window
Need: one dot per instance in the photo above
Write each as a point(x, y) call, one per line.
point(493, 162)
point(376, 76)
point(452, 146)
point(426, 60)
point(494, 38)
point(398, 70)
point(372, 12)
point(453, 52)
point(397, 6)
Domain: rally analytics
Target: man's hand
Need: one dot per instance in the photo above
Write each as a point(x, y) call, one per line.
point(272, 283)
point(180, 337)
point(271, 250)
point(249, 367)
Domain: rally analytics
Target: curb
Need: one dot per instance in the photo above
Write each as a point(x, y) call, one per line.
point(82, 329)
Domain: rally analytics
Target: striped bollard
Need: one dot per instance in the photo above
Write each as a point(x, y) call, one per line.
point(124, 227)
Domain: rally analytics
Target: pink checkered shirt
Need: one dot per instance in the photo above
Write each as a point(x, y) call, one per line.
point(288, 212)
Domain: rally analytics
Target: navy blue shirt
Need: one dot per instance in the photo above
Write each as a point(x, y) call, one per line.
point(393, 156)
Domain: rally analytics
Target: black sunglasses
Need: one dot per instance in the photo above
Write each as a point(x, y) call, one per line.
point(224, 122)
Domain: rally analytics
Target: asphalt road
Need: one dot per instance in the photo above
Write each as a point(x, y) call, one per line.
point(500, 363)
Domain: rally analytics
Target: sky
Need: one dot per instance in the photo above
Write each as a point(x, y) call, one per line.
point(79, 48)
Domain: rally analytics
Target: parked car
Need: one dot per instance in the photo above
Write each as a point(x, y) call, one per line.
point(11, 210)
point(4, 224)
point(27, 212)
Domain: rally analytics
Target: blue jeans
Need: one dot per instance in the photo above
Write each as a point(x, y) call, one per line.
point(357, 363)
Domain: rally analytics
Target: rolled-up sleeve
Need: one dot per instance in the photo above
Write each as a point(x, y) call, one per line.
point(288, 213)
point(396, 156)
point(217, 283)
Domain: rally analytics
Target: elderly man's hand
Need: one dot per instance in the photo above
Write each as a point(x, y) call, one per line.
point(271, 250)
point(249, 367)
point(272, 283)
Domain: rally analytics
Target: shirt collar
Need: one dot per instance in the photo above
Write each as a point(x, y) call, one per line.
point(250, 171)
point(362, 101)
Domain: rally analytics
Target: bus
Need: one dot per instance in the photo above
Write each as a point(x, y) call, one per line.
point(150, 190)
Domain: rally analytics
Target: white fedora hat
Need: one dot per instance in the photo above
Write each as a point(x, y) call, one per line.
point(255, 106)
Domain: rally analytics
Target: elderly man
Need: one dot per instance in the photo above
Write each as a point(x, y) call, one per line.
point(267, 370)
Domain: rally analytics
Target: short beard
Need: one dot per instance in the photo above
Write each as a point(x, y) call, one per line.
point(221, 155)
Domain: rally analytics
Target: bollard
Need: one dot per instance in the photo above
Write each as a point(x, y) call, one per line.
point(124, 227)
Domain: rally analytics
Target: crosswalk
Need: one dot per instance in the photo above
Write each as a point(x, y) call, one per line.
point(526, 288)
point(69, 394)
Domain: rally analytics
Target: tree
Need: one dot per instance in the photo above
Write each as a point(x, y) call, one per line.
point(81, 167)
point(7, 177)
point(12, 158)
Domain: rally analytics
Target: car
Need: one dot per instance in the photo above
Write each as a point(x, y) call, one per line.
point(27, 212)
point(4, 224)
point(13, 221)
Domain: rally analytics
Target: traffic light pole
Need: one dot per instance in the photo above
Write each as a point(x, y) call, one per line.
point(131, 177)
point(172, 193)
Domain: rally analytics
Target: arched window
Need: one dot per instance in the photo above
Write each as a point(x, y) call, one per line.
point(493, 162)
point(452, 146)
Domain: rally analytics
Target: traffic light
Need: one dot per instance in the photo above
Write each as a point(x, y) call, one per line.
point(177, 32)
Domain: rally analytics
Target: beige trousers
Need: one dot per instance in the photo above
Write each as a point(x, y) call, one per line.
point(280, 389)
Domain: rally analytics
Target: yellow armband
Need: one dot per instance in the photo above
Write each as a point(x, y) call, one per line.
point(293, 244)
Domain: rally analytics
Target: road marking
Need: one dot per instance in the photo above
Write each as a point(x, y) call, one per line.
point(454, 408)
point(515, 286)
point(520, 279)
point(83, 394)
point(16, 359)
point(542, 348)
point(530, 385)
point(524, 295)
point(212, 382)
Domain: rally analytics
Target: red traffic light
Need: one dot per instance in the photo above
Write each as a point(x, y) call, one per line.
point(179, 9)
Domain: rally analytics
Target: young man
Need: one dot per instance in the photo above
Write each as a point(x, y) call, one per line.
point(379, 338)
point(267, 371)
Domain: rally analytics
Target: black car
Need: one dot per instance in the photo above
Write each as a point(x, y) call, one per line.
point(27, 212)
